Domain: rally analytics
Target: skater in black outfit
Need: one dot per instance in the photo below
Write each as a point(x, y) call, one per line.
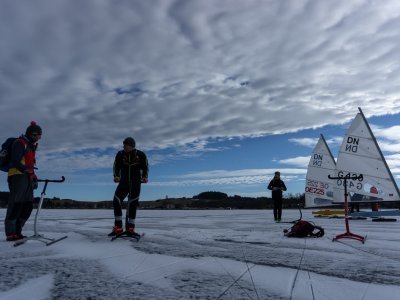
point(130, 171)
point(276, 185)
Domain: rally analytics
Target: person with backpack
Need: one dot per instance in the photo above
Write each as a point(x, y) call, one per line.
point(130, 171)
point(277, 185)
point(21, 181)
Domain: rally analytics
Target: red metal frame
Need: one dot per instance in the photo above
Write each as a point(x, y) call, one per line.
point(347, 234)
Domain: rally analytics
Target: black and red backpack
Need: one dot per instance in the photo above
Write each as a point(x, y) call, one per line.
point(304, 228)
point(5, 154)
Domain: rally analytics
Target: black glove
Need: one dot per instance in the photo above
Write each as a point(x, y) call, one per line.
point(34, 181)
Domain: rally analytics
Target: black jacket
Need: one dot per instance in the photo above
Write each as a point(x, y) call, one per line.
point(278, 183)
point(131, 166)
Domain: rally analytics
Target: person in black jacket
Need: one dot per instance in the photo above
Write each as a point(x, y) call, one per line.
point(130, 171)
point(276, 185)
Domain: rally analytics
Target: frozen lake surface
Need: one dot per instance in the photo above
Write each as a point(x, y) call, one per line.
point(202, 254)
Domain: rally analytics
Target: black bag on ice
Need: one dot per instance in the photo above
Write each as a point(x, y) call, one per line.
point(303, 229)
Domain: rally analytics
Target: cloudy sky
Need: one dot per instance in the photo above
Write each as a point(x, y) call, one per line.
point(219, 94)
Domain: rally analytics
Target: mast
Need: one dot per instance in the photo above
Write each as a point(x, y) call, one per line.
point(329, 150)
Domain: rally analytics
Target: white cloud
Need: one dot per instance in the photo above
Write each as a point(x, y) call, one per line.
point(70, 162)
point(311, 142)
point(240, 180)
point(387, 137)
point(393, 162)
point(389, 146)
point(389, 133)
point(244, 172)
point(175, 72)
point(232, 177)
point(307, 142)
point(300, 161)
point(334, 141)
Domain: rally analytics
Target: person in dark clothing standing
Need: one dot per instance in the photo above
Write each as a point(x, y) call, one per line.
point(21, 182)
point(277, 185)
point(130, 171)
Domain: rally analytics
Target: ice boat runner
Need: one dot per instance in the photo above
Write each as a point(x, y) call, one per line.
point(360, 154)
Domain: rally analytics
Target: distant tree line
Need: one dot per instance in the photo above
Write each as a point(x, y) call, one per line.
point(215, 200)
point(205, 200)
point(211, 195)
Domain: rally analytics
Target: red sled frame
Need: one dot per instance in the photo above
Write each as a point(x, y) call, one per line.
point(348, 234)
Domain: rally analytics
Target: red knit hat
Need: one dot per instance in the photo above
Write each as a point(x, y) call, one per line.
point(33, 129)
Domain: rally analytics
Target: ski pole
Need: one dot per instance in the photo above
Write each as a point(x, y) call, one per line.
point(46, 181)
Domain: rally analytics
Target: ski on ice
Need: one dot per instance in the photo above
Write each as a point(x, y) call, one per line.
point(40, 238)
point(126, 235)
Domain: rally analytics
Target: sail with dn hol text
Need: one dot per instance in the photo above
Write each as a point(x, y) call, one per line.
point(319, 189)
point(360, 154)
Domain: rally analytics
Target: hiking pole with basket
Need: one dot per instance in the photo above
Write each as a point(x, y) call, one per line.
point(36, 236)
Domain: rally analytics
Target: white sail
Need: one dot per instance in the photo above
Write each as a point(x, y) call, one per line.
point(360, 154)
point(319, 189)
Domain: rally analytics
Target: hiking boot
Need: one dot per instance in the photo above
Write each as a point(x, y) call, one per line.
point(115, 231)
point(12, 238)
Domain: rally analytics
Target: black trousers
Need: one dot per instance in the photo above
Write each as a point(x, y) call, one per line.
point(132, 190)
point(20, 203)
point(277, 208)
